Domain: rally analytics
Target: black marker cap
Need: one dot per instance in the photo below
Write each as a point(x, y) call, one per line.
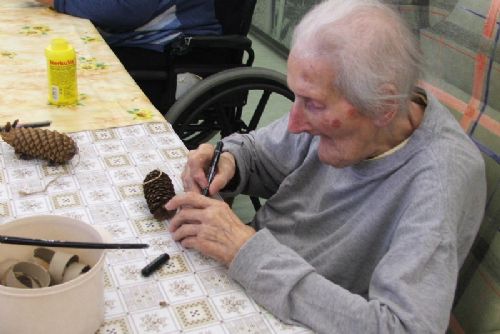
point(155, 264)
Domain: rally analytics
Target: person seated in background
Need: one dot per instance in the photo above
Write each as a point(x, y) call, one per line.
point(145, 24)
point(374, 192)
point(138, 30)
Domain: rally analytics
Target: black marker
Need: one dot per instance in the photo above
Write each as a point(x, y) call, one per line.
point(155, 264)
point(213, 166)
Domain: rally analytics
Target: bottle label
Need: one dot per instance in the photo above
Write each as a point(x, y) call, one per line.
point(55, 93)
point(62, 81)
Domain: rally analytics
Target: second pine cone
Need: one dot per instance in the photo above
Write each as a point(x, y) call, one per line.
point(158, 190)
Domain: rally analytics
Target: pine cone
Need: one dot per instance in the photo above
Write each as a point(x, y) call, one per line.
point(40, 143)
point(158, 190)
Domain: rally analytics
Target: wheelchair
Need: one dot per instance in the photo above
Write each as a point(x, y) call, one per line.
point(218, 103)
point(205, 56)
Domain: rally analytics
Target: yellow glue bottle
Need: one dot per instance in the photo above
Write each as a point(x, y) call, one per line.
point(61, 70)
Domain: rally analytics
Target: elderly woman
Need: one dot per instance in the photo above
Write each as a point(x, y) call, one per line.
point(374, 191)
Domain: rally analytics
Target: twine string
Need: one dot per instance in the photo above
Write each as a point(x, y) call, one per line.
point(154, 179)
point(28, 192)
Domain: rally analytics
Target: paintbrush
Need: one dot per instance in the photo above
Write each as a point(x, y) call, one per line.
point(4, 239)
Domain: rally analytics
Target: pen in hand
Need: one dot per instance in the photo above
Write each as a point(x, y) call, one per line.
point(213, 166)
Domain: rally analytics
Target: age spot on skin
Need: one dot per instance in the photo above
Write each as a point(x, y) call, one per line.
point(335, 123)
point(352, 113)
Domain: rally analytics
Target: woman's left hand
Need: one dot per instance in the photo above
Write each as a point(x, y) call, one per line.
point(207, 225)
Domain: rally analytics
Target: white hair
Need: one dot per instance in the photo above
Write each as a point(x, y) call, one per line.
point(374, 54)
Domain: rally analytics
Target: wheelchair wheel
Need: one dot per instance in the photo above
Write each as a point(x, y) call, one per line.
point(217, 104)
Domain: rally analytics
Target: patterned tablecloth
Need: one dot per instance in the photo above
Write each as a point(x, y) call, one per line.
point(108, 96)
point(102, 186)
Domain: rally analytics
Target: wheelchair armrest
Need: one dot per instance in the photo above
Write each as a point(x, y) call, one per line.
point(184, 44)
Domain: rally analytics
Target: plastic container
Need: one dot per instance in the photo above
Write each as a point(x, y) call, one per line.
point(76, 306)
point(61, 72)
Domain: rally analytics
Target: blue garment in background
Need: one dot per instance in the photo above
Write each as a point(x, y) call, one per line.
point(145, 24)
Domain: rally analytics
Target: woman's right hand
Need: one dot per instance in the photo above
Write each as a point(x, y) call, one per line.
point(194, 176)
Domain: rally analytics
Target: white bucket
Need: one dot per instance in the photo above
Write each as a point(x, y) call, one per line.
point(76, 306)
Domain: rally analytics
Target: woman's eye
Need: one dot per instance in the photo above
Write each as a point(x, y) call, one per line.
point(312, 105)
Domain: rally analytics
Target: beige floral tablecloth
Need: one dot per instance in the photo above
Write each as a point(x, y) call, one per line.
point(108, 96)
point(102, 186)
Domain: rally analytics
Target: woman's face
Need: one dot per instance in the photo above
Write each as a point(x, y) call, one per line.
point(346, 136)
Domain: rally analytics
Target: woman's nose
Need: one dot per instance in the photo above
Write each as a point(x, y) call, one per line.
point(297, 121)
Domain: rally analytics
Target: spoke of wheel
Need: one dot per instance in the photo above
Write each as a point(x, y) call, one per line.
point(259, 110)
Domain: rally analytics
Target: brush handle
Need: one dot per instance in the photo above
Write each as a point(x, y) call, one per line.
point(69, 244)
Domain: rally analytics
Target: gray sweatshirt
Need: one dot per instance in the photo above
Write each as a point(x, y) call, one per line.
point(371, 248)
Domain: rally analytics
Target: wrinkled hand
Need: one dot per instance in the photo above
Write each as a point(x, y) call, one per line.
point(194, 176)
point(207, 225)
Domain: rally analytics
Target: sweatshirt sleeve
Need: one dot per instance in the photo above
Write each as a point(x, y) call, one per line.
point(110, 15)
point(409, 291)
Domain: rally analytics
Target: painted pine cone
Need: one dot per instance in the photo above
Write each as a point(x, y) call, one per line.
point(158, 190)
point(44, 144)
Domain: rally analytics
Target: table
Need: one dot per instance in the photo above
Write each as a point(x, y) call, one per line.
point(102, 186)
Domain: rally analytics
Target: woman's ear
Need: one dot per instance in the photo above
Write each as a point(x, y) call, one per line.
point(385, 117)
point(391, 106)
